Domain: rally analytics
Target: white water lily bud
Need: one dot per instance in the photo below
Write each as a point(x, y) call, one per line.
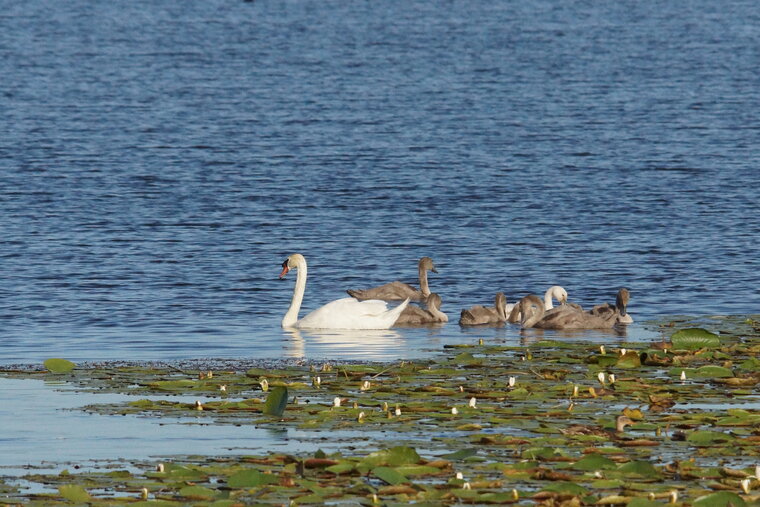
point(598, 474)
point(466, 485)
point(210, 374)
point(461, 389)
point(160, 468)
point(515, 495)
point(365, 385)
point(757, 472)
point(336, 402)
point(622, 352)
point(398, 412)
point(385, 406)
point(318, 381)
point(683, 374)
point(144, 493)
point(512, 381)
point(375, 499)
point(575, 391)
point(745, 486)
point(666, 351)
point(612, 378)
point(356, 405)
point(600, 376)
point(651, 496)
point(460, 476)
point(360, 417)
point(480, 342)
point(264, 385)
point(198, 405)
point(601, 350)
point(454, 411)
point(673, 496)
point(570, 407)
point(223, 388)
point(473, 401)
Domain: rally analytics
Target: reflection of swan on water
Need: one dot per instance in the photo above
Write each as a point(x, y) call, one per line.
point(346, 313)
point(365, 344)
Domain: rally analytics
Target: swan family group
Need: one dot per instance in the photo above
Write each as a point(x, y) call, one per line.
point(368, 309)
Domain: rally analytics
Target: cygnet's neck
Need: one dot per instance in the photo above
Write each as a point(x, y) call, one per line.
point(424, 289)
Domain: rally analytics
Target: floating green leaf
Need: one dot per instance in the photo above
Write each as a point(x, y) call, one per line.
point(694, 338)
point(702, 438)
point(251, 479)
point(594, 462)
point(389, 475)
point(720, 499)
point(56, 365)
point(74, 493)
point(277, 400)
point(639, 468)
point(713, 372)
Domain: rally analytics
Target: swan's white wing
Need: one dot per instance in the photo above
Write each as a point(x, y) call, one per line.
point(348, 313)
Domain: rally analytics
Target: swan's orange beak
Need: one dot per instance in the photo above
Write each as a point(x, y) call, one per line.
point(285, 270)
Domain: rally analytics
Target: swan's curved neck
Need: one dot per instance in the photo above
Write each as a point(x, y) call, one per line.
point(291, 316)
point(424, 288)
point(438, 314)
point(548, 299)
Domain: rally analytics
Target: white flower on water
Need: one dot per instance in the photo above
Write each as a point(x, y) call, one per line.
point(466, 485)
point(144, 493)
point(673, 496)
point(600, 376)
point(336, 402)
point(318, 381)
point(683, 374)
point(745, 486)
point(461, 389)
point(454, 411)
point(264, 385)
point(398, 412)
point(223, 388)
point(361, 416)
point(757, 472)
point(601, 350)
point(622, 352)
point(480, 342)
point(575, 391)
point(365, 385)
point(385, 406)
point(612, 378)
point(198, 405)
point(460, 476)
point(515, 495)
point(473, 401)
point(160, 468)
point(512, 381)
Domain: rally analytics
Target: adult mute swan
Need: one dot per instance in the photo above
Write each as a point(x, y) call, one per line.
point(346, 313)
point(414, 315)
point(479, 315)
point(399, 290)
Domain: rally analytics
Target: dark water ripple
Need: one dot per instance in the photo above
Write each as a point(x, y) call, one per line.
point(158, 162)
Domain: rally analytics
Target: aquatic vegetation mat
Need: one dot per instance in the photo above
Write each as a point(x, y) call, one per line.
point(675, 422)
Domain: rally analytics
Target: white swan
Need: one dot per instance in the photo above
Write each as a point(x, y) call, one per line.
point(346, 313)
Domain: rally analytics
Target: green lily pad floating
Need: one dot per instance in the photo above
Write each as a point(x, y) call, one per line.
point(713, 372)
point(629, 360)
point(56, 365)
point(277, 400)
point(694, 338)
point(643, 502)
point(702, 438)
point(395, 456)
point(720, 499)
point(460, 454)
point(74, 493)
point(594, 462)
point(251, 479)
point(389, 475)
point(639, 468)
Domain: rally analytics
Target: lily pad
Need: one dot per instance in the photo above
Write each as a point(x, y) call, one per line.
point(251, 479)
point(74, 493)
point(277, 400)
point(720, 499)
point(389, 475)
point(56, 365)
point(694, 338)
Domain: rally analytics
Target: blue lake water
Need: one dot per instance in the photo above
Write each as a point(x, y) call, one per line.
point(159, 160)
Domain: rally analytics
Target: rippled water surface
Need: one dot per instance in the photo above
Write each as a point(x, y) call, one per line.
point(159, 160)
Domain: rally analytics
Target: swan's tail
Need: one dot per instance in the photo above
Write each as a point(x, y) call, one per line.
point(395, 312)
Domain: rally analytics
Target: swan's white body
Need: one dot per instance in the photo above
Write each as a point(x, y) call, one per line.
point(346, 313)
